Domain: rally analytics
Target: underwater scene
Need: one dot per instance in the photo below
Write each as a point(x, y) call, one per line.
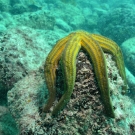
point(67, 67)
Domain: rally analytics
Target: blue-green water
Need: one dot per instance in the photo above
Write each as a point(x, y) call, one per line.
point(28, 31)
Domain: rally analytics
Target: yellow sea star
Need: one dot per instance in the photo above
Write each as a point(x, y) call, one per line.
point(67, 49)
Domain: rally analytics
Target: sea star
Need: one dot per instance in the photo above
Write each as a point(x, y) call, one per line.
point(67, 50)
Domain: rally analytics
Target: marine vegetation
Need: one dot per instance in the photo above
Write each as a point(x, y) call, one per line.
point(66, 51)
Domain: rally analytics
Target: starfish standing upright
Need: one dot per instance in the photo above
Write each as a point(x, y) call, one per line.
point(66, 50)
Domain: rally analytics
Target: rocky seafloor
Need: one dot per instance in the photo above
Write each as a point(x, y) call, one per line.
point(84, 114)
point(23, 49)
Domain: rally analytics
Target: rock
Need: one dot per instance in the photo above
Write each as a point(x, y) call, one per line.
point(118, 24)
point(83, 114)
point(131, 84)
point(29, 95)
point(22, 50)
point(128, 48)
point(38, 20)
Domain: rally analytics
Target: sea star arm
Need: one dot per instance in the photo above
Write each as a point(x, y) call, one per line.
point(111, 47)
point(98, 60)
point(67, 50)
point(68, 62)
point(50, 69)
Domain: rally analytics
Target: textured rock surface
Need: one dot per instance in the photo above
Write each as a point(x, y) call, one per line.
point(4, 5)
point(22, 51)
point(84, 113)
point(38, 20)
point(131, 83)
point(128, 48)
point(118, 24)
point(31, 95)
